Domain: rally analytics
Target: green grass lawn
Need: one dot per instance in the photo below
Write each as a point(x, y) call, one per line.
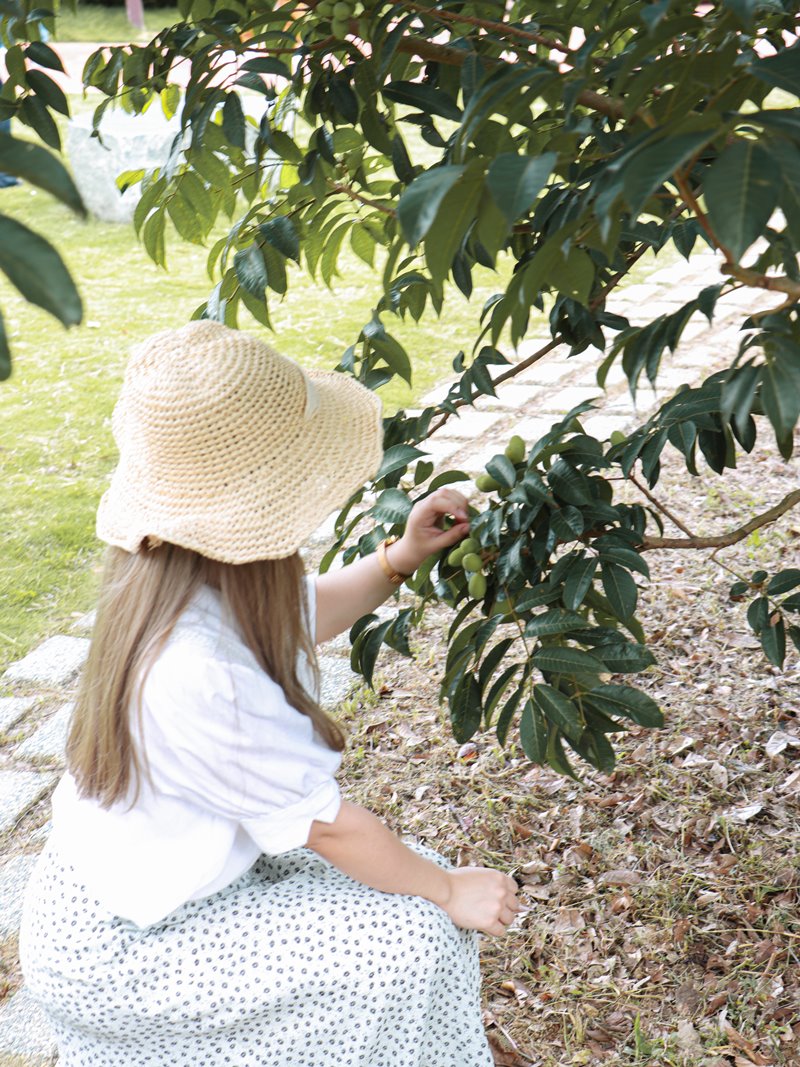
point(95, 22)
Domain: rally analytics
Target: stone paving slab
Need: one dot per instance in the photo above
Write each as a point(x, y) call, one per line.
point(470, 423)
point(336, 680)
point(545, 371)
point(19, 790)
point(50, 739)
point(24, 1031)
point(12, 709)
point(55, 662)
point(561, 402)
point(14, 877)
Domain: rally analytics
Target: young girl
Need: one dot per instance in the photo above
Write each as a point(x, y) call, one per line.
point(206, 896)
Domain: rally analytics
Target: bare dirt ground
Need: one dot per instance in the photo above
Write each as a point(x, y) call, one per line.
point(661, 922)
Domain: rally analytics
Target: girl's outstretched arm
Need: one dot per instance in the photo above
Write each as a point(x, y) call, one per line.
point(359, 844)
point(345, 595)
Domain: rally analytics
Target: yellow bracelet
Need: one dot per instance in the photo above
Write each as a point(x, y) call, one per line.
point(391, 574)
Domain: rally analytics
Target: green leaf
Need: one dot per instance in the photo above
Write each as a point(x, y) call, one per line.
point(556, 659)
point(42, 54)
point(37, 166)
point(392, 506)
point(267, 65)
point(780, 384)
point(556, 756)
point(465, 708)
point(783, 581)
point(419, 204)
point(559, 710)
point(647, 169)
point(515, 181)
point(621, 590)
point(624, 700)
point(502, 470)
point(455, 215)
point(281, 233)
point(533, 733)
point(170, 100)
point(47, 90)
point(507, 713)
point(788, 158)
point(366, 648)
point(425, 97)
point(625, 658)
point(233, 119)
point(741, 191)
point(573, 276)
point(781, 70)
point(554, 621)
point(251, 270)
point(773, 639)
point(579, 579)
point(397, 457)
point(34, 114)
point(5, 354)
point(37, 270)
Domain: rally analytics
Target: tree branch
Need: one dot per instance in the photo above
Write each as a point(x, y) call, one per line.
point(492, 26)
point(455, 57)
point(732, 537)
point(659, 506)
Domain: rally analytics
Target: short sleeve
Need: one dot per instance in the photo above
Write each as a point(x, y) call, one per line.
point(222, 736)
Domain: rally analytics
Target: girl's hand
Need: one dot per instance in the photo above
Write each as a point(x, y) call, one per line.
point(482, 899)
point(424, 534)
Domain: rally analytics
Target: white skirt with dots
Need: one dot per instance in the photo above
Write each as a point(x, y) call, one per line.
point(292, 965)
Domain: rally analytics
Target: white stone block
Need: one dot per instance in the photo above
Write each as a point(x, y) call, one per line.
point(129, 142)
point(55, 662)
point(50, 739)
point(20, 790)
point(12, 709)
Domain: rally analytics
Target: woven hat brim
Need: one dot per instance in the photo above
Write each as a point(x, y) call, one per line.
point(267, 512)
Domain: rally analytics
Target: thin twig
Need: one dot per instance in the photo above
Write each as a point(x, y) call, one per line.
point(349, 191)
point(502, 28)
point(732, 537)
point(661, 507)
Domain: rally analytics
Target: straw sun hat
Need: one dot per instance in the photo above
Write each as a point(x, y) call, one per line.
point(229, 449)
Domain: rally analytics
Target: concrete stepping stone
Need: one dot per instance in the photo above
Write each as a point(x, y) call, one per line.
point(438, 450)
point(336, 680)
point(14, 877)
point(50, 739)
point(545, 371)
point(20, 790)
point(25, 1033)
point(565, 399)
point(470, 423)
point(12, 709)
point(55, 662)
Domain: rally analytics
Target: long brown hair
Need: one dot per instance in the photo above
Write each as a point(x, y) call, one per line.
point(141, 598)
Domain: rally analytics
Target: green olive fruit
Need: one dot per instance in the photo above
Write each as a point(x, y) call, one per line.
point(486, 483)
point(325, 8)
point(471, 562)
point(469, 544)
point(502, 607)
point(340, 27)
point(515, 449)
point(342, 10)
point(617, 437)
point(456, 556)
point(477, 586)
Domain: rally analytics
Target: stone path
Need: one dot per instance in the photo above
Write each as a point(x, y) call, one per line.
point(36, 692)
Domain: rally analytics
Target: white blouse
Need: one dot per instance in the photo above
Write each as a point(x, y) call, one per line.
point(234, 771)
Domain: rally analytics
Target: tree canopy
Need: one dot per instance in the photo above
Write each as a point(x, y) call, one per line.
point(559, 141)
